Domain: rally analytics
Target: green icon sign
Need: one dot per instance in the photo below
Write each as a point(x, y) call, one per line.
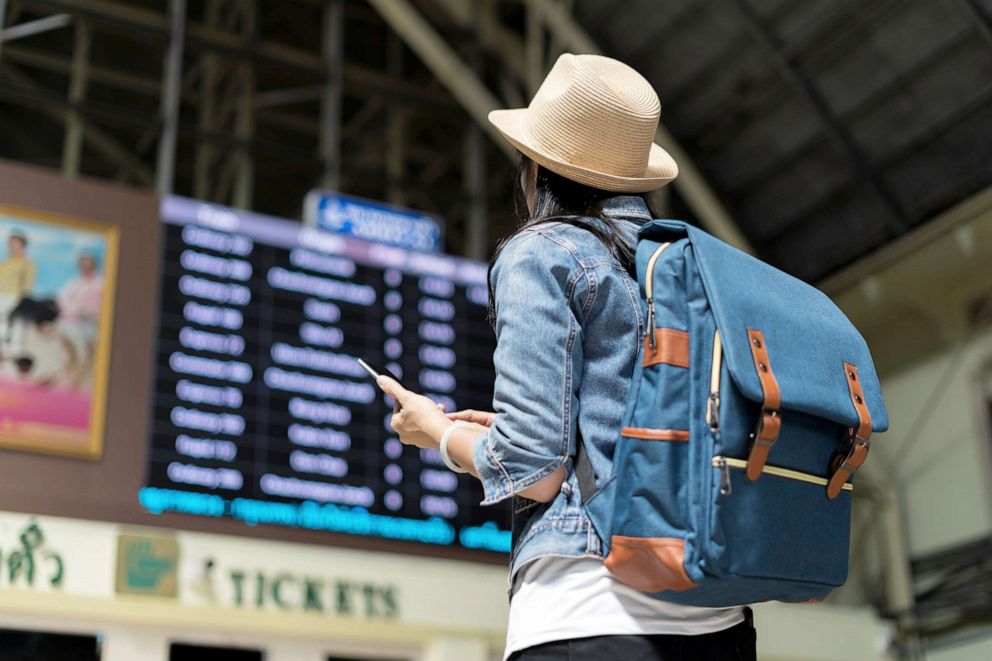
point(147, 565)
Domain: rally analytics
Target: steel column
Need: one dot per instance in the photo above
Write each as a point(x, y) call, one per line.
point(474, 177)
point(555, 45)
point(535, 46)
point(208, 115)
point(72, 145)
point(3, 20)
point(165, 172)
point(330, 110)
point(396, 119)
point(244, 127)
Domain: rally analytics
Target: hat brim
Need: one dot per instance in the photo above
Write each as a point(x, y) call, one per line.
point(661, 168)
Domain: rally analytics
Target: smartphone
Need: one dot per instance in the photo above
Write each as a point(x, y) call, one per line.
point(375, 371)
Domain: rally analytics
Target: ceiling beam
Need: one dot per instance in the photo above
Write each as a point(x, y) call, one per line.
point(478, 16)
point(31, 28)
point(839, 136)
point(357, 78)
point(908, 244)
point(101, 141)
point(691, 184)
point(444, 63)
point(979, 22)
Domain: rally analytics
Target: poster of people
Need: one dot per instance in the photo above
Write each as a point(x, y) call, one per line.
point(56, 308)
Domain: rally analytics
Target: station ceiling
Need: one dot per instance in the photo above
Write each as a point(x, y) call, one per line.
point(827, 128)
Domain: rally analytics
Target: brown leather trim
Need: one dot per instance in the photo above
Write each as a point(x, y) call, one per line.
point(858, 399)
point(671, 347)
point(649, 564)
point(646, 434)
point(763, 366)
point(770, 423)
point(845, 466)
point(756, 460)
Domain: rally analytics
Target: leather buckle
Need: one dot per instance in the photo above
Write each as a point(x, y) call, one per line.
point(845, 466)
point(768, 418)
point(769, 424)
point(857, 443)
point(764, 436)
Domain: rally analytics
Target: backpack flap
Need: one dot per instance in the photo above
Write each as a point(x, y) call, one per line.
point(787, 346)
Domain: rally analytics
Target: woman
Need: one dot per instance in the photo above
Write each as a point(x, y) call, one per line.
point(568, 324)
point(80, 301)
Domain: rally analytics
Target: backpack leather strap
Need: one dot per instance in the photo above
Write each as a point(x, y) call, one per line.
point(770, 423)
point(670, 347)
point(845, 466)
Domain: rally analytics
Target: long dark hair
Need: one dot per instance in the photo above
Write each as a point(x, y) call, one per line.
point(561, 200)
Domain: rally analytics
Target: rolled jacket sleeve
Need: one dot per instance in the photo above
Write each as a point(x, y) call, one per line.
point(537, 286)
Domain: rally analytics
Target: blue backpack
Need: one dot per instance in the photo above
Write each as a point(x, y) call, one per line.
point(751, 406)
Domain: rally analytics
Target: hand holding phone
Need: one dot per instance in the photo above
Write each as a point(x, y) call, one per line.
point(375, 371)
point(418, 421)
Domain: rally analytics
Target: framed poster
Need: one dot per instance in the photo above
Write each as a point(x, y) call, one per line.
point(57, 277)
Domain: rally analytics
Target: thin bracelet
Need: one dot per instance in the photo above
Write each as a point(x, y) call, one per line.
point(445, 437)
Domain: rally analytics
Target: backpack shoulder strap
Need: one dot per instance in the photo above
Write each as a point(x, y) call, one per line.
point(583, 470)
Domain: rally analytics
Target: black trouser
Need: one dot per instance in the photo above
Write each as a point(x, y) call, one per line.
point(734, 644)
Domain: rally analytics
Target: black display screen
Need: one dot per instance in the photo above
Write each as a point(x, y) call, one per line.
point(261, 411)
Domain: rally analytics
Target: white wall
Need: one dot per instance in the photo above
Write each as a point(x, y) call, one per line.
point(970, 646)
point(915, 301)
point(938, 449)
point(789, 632)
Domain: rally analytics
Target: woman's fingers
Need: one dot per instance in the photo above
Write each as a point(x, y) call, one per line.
point(467, 415)
point(391, 387)
point(484, 418)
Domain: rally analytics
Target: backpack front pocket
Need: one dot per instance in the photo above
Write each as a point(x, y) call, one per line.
point(787, 505)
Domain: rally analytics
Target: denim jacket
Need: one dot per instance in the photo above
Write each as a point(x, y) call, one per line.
point(568, 323)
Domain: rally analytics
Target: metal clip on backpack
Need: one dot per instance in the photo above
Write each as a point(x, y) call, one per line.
point(751, 406)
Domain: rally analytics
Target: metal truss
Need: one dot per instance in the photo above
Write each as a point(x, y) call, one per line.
point(195, 98)
point(204, 98)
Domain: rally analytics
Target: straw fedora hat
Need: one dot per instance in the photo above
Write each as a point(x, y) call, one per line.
point(593, 121)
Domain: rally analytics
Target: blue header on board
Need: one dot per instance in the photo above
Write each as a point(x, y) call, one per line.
point(373, 221)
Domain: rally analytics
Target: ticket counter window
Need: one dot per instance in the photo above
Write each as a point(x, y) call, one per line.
point(41, 646)
point(183, 652)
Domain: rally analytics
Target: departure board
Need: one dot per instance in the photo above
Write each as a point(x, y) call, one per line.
point(261, 412)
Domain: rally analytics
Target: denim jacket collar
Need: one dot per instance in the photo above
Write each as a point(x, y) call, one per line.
point(629, 207)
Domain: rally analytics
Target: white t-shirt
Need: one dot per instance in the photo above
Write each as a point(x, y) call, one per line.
point(558, 598)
